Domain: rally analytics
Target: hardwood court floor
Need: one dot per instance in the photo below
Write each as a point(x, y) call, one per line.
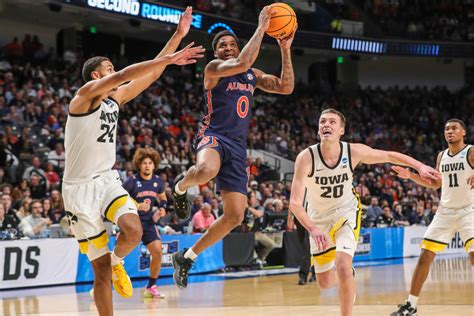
point(449, 290)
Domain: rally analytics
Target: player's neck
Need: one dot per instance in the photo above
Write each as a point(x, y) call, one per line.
point(456, 147)
point(146, 177)
point(330, 148)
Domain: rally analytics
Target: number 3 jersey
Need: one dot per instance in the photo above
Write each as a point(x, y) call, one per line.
point(229, 106)
point(89, 141)
point(329, 188)
point(455, 171)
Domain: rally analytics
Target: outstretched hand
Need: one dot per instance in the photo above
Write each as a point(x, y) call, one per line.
point(265, 17)
point(286, 42)
point(184, 23)
point(187, 55)
point(429, 174)
point(402, 172)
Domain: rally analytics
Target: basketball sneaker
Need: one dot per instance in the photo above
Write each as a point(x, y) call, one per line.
point(180, 202)
point(181, 266)
point(152, 292)
point(405, 310)
point(121, 281)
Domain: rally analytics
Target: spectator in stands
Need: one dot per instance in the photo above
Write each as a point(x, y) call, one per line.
point(215, 210)
point(56, 156)
point(38, 190)
point(203, 219)
point(254, 189)
point(35, 225)
point(197, 204)
point(35, 169)
point(24, 209)
point(398, 217)
point(52, 176)
point(374, 210)
point(433, 210)
point(419, 217)
point(386, 219)
point(11, 220)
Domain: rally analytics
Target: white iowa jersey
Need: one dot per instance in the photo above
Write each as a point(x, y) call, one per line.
point(455, 170)
point(329, 188)
point(90, 141)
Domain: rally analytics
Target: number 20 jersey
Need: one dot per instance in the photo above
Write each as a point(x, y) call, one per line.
point(329, 188)
point(229, 106)
point(455, 170)
point(89, 141)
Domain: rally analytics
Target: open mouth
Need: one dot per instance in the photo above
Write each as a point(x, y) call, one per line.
point(327, 133)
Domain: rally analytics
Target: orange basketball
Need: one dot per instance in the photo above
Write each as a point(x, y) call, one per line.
point(282, 22)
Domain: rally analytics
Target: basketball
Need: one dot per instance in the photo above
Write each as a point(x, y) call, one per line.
point(282, 22)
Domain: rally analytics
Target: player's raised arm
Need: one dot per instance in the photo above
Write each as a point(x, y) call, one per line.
point(286, 83)
point(99, 87)
point(404, 173)
point(303, 166)
point(129, 91)
point(219, 68)
point(365, 154)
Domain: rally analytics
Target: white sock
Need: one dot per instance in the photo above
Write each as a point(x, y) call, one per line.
point(114, 259)
point(413, 300)
point(190, 254)
point(176, 188)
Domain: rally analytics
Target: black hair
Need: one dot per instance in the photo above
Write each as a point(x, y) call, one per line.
point(91, 65)
point(463, 125)
point(221, 34)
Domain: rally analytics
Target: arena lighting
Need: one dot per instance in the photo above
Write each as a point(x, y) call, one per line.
point(145, 10)
point(376, 47)
point(221, 25)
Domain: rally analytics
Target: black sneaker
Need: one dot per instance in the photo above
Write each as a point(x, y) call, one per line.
point(181, 266)
point(180, 202)
point(312, 278)
point(302, 280)
point(405, 310)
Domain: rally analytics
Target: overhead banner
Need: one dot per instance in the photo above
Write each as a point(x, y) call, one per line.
point(414, 236)
point(27, 263)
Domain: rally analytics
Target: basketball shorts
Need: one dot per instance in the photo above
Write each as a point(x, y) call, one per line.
point(87, 201)
point(150, 232)
point(445, 224)
point(342, 226)
point(234, 173)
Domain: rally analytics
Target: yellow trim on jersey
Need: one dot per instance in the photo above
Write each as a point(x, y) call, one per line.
point(432, 245)
point(336, 227)
point(468, 244)
point(358, 217)
point(99, 241)
point(114, 206)
point(324, 257)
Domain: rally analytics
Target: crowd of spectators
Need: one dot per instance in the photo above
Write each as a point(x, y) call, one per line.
point(451, 20)
point(33, 111)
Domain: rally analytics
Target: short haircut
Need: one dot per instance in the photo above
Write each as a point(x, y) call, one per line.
point(143, 153)
point(91, 65)
point(221, 34)
point(34, 202)
point(455, 120)
point(343, 118)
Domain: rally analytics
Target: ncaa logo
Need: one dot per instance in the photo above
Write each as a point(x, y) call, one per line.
point(344, 160)
point(155, 184)
point(250, 76)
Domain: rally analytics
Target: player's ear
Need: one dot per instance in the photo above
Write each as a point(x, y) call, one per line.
point(343, 130)
point(95, 75)
point(215, 54)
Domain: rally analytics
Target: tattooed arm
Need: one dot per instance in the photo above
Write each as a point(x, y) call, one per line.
point(219, 68)
point(286, 83)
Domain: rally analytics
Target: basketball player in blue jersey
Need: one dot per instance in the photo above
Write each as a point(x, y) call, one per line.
point(91, 189)
point(322, 184)
point(229, 83)
point(147, 189)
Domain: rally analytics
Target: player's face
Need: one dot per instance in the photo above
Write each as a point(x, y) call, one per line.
point(105, 69)
point(453, 132)
point(227, 48)
point(330, 127)
point(147, 166)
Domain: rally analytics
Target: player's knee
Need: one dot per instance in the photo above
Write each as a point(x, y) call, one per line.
point(344, 271)
point(133, 231)
point(102, 270)
point(206, 170)
point(324, 283)
point(234, 219)
point(471, 256)
point(426, 257)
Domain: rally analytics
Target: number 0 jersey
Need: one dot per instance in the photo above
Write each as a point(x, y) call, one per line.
point(455, 170)
point(89, 141)
point(329, 188)
point(229, 106)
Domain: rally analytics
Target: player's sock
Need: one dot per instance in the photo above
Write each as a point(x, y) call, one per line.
point(190, 254)
point(151, 282)
point(177, 190)
point(114, 259)
point(413, 300)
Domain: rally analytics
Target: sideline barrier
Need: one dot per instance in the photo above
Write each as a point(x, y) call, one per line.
point(39, 262)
